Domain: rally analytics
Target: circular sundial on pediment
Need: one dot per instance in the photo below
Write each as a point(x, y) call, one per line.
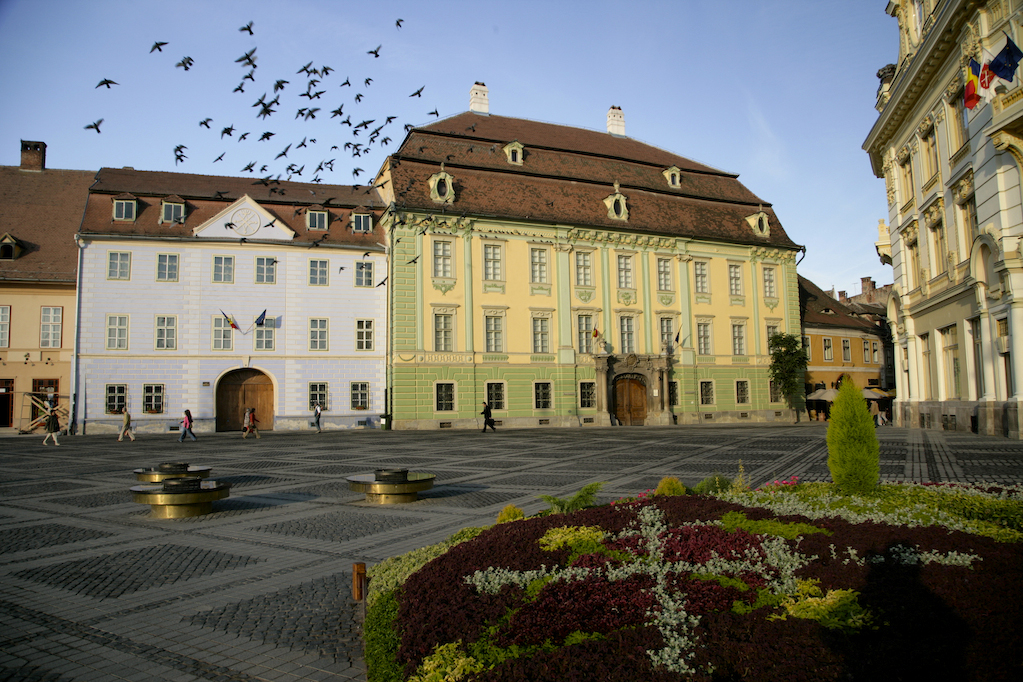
point(246, 222)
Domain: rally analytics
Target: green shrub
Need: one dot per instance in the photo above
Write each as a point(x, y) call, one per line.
point(853, 452)
point(510, 513)
point(670, 485)
point(789, 531)
point(392, 572)
point(586, 497)
point(712, 484)
point(381, 639)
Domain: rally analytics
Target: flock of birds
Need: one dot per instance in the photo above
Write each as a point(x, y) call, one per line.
point(317, 91)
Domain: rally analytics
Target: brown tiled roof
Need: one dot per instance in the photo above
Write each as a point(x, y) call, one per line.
point(815, 301)
point(42, 210)
point(206, 195)
point(565, 176)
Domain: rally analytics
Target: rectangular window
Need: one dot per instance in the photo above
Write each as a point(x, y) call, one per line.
point(50, 322)
point(806, 347)
point(703, 346)
point(950, 358)
point(775, 392)
point(735, 280)
point(538, 265)
point(119, 265)
point(317, 273)
point(495, 334)
point(738, 339)
point(583, 274)
point(223, 336)
point(541, 335)
point(929, 150)
point(874, 354)
point(770, 290)
point(584, 333)
point(124, 209)
point(360, 395)
point(667, 332)
point(673, 394)
point(542, 395)
point(495, 395)
point(317, 394)
point(166, 332)
point(772, 331)
point(173, 213)
point(978, 356)
point(317, 220)
point(928, 367)
point(362, 223)
point(866, 351)
point(846, 350)
point(317, 333)
point(940, 249)
point(664, 281)
point(117, 332)
point(492, 261)
point(626, 326)
point(742, 392)
point(828, 352)
point(5, 326)
point(624, 272)
point(266, 270)
point(117, 398)
point(364, 273)
point(263, 336)
point(442, 259)
point(443, 333)
point(167, 267)
point(445, 397)
point(906, 181)
point(701, 282)
point(364, 335)
point(959, 130)
point(152, 398)
point(587, 394)
point(706, 392)
point(223, 269)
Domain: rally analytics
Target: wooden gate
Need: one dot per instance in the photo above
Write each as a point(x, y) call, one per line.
point(240, 389)
point(6, 402)
point(630, 401)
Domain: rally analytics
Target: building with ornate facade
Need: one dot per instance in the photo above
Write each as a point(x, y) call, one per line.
point(572, 277)
point(953, 181)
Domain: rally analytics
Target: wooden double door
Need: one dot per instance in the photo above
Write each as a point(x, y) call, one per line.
point(240, 389)
point(630, 401)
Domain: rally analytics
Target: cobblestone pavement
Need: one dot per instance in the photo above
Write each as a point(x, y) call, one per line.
point(93, 588)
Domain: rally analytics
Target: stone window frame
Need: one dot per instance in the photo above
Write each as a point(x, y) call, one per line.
point(749, 391)
point(440, 310)
point(593, 397)
point(176, 209)
point(442, 187)
point(322, 217)
point(672, 176)
point(269, 273)
point(319, 272)
point(515, 152)
point(167, 267)
point(365, 333)
point(708, 321)
point(160, 332)
point(617, 205)
point(115, 398)
point(226, 269)
point(549, 394)
point(320, 343)
point(117, 326)
point(504, 394)
point(120, 271)
point(264, 337)
point(362, 222)
point(358, 395)
point(318, 392)
point(51, 326)
point(120, 209)
point(500, 313)
point(153, 398)
point(363, 273)
point(437, 396)
point(445, 260)
point(703, 395)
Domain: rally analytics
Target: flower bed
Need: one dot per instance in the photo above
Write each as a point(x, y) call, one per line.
point(788, 583)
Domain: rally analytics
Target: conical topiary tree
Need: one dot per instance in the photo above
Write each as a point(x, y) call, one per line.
point(852, 443)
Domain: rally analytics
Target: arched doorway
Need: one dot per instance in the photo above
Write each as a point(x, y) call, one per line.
point(630, 400)
point(240, 389)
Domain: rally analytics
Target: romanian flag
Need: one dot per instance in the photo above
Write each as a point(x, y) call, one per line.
point(229, 320)
point(971, 95)
point(596, 333)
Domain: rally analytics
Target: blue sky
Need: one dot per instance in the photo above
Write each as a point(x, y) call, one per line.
point(779, 91)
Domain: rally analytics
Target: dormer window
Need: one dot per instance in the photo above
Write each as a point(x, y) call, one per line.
point(10, 248)
point(6, 251)
point(673, 176)
point(124, 209)
point(515, 152)
point(617, 205)
point(173, 212)
point(316, 220)
point(362, 222)
point(760, 223)
point(442, 188)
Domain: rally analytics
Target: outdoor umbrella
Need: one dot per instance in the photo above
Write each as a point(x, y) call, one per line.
point(871, 394)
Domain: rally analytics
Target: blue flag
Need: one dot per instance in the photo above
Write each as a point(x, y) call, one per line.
point(261, 319)
point(1005, 62)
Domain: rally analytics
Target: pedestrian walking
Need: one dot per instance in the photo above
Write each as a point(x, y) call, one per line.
point(875, 413)
point(488, 419)
point(249, 422)
point(52, 423)
point(125, 426)
point(316, 415)
point(186, 427)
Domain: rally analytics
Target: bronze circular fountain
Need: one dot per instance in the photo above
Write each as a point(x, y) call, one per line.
point(391, 486)
point(172, 470)
point(179, 498)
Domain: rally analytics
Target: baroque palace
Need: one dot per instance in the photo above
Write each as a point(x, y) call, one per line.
point(952, 174)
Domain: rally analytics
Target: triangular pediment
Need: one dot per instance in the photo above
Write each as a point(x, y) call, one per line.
point(244, 218)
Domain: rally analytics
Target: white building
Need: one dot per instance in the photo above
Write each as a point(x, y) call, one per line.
point(169, 261)
point(953, 183)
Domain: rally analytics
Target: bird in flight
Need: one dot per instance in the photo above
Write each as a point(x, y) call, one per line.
point(205, 122)
point(376, 52)
point(266, 136)
point(249, 168)
point(325, 70)
point(284, 153)
point(243, 136)
point(279, 85)
point(399, 22)
point(418, 93)
point(367, 82)
point(358, 97)
point(248, 58)
point(356, 172)
point(157, 47)
point(94, 125)
point(382, 282)
point(247, 27)
point(227, 131)
point(107, 82)
point(347, 82)
point(219, 158)
point(433, 113)
point(185, 63)
point(412, 261)
point(305, 69)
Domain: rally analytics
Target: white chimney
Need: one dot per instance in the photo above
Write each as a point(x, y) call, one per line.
point(478, 101)
point(616, 121)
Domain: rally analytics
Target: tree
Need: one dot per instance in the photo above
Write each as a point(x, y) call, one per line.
point(853, 451)
point(788, 368)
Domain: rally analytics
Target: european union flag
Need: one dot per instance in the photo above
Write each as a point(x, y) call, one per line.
point(1005, 62)
point(261, 319)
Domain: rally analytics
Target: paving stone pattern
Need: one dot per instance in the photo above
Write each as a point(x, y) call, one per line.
point(93, 588)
